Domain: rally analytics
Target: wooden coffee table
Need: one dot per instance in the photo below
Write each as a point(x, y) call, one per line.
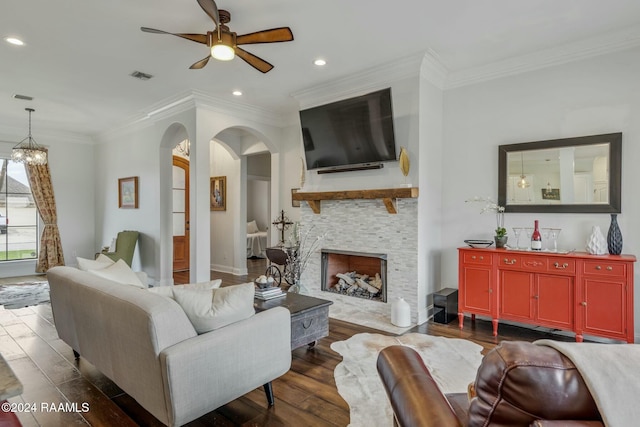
point(309, 317)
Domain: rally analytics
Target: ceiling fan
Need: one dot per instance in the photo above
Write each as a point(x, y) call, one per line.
point(224, 44)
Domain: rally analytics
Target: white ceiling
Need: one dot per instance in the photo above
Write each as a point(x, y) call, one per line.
point(79, 53)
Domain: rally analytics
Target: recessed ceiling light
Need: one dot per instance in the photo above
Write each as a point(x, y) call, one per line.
point(320, 62)
point(237, 93)
point(14, 40)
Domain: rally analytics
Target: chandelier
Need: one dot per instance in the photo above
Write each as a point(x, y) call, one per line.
point(184, 148)
point(523, 181)
point(28, 151)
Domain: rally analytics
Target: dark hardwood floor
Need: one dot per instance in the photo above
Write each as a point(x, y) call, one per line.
point(305, 396)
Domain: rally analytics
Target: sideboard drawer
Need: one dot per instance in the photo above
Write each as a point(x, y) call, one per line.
point(561, 265)
point(472, 257)
point(521, 262)
point(605, 268)
point(533, 263)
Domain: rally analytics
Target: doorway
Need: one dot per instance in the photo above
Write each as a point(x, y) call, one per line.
point(180, 213)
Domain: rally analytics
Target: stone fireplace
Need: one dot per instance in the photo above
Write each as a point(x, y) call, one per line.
point(356, 274)
point(365, 225)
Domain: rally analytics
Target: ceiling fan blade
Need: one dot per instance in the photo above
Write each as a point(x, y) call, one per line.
point(257, 63)
point(199, 38)
point(273, 35)
point(200, 64)
point(210, 8)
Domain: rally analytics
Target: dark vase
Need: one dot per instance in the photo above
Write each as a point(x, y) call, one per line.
point(501, 241)
point(614, 237)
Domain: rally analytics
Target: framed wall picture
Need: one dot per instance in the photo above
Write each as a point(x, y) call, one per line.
point(294, 203)
point(128, 192)
point(218, 193)
point(550, 194)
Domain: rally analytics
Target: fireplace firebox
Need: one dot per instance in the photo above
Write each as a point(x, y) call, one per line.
point(357, 274)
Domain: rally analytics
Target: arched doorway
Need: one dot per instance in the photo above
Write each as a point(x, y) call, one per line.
point(180, 213)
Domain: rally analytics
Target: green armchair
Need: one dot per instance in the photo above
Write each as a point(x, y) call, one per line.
point(125, 246)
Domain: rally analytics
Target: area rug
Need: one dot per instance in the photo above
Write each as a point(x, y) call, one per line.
point(452, 362)
point(24, 294)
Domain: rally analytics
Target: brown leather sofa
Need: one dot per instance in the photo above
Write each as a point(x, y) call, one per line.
point(517, 384)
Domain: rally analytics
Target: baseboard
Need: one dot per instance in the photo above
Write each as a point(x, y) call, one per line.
point(229, 270)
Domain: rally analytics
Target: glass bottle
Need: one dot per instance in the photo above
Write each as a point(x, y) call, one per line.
point(536, 238)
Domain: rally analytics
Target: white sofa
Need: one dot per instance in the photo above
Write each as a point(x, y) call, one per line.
point(145, 343)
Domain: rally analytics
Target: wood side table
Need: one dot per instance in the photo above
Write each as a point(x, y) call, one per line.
point(309, 317)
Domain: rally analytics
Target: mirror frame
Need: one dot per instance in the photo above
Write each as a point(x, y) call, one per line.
point(615, 174)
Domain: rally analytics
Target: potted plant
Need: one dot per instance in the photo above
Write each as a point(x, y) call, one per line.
point(501, 237)
point(491, 206)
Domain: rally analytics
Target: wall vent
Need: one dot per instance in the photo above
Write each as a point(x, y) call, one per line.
point(23, 97)
point(140, 75)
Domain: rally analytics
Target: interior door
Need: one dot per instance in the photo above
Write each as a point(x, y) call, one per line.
point(180, 189)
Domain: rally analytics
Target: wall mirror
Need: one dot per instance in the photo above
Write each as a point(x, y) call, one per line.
point(571, 175)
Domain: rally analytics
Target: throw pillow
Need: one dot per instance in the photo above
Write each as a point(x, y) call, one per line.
point(102, 261)
point(212, 309)
point(167, 291)
point(252, 227)
point(119, 272)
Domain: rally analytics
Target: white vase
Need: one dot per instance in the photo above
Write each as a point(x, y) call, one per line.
point(597, 244)
point(401, 313)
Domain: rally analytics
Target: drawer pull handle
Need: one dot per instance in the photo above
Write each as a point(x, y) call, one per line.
point(598, 267)
point(473, 257)
point(506, 261)
point(306, 326)
point(536, 297)
point(481, 258)
point(609, 268)
point(560, 267)
point(584, 303)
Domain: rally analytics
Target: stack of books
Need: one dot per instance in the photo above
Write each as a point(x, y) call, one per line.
point(269, 293)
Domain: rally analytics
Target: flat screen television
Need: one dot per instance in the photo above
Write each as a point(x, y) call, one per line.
point(351, 132)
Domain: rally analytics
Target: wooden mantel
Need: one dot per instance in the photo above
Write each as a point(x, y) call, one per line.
point(388, 196)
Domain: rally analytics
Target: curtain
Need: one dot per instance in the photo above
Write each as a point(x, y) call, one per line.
point(50, 244)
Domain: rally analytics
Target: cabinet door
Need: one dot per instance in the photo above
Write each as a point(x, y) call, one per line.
point(475, 290)
point(554, 298)
point(516, 290)
point(605, 307)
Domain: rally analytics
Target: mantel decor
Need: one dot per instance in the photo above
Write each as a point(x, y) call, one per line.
point(218, 193)
point(128, 192)
point(387, 195)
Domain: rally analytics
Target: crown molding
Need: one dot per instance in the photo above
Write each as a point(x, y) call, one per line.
point(356, 84)
point(237, 109)
point(190, 100)
point(433, 70)
point(558, 55)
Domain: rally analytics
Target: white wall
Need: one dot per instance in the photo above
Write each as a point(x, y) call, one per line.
point(258, 202)
point(131, 154)
point(430, 214)
point(223, 240)
point(258, 193)
point(72, 176)
point(594, 96)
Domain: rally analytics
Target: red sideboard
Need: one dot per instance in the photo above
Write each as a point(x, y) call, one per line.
point(586, 294)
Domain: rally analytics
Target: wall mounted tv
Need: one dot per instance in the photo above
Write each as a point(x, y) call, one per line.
point(355, 133)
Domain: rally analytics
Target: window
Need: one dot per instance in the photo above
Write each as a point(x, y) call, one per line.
point(18, 214)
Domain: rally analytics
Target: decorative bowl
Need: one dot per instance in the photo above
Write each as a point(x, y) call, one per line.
point(479, 243)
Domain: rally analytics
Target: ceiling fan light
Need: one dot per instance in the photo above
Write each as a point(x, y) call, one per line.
point(222, 52)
